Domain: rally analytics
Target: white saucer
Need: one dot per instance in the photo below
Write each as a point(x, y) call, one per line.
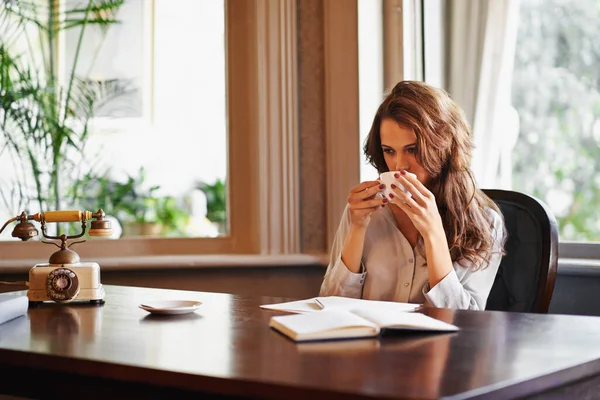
point(171, 307)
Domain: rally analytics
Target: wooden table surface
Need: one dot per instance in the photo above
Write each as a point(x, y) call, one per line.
point(227, 348)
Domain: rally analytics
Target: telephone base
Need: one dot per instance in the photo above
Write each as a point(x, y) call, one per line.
point(86, 278)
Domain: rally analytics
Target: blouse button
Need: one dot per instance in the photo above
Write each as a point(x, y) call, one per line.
point(410, 260)
point(406, 284)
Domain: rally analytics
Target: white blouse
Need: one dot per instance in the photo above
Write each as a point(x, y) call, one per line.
point(393, 271)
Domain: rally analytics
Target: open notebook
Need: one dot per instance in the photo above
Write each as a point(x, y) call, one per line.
point(359, 323)
point(338, 303)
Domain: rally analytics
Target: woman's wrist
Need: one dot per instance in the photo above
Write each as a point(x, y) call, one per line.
point(358, 229)
point(439, 261)
point(352, 251)
point(435, 238)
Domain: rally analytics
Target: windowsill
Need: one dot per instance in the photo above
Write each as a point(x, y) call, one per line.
point(568, 266)
point(185, 261)
point(578, 266)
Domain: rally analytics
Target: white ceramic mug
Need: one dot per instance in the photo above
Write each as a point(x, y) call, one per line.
point(388, 178)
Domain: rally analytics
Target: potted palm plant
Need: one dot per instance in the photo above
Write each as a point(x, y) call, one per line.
point(45, 115)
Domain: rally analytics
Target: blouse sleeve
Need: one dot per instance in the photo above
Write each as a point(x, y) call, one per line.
point(339, 280)
point(471, 290)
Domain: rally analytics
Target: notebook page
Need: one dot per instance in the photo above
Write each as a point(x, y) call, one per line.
point(408, 321)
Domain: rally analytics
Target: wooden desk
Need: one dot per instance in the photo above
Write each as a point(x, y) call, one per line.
point(227, 349)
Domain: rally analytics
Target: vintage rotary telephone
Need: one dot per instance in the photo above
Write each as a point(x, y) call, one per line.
point(64, 278)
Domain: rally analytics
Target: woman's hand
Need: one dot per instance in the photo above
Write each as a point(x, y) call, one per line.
point(421, 207)
point(422, 210)
point(362, 202)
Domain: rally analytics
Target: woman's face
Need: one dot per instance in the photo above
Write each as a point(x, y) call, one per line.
point(399, 146)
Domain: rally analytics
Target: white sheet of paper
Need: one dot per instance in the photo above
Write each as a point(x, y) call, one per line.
point(299, 306)
point(346, 303)
point(339, 303)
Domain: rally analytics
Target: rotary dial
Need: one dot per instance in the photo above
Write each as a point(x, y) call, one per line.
point(62, 284)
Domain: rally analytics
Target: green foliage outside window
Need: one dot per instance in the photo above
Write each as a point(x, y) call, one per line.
point(216, 200)
point(132, 203)
point(556, 91)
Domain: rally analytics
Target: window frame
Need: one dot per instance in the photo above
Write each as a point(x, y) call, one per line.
point(341, 102)
point(579, 250)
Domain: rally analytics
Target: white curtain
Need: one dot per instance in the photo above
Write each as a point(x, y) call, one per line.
point(481, 57)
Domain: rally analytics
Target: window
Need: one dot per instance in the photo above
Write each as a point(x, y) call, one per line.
point(525, 74)
point(556, 92)
point(153, 152)
point(256, 34)
point(390, 46)
point(370, 74)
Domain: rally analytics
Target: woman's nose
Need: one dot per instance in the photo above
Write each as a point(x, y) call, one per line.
point(401, 163)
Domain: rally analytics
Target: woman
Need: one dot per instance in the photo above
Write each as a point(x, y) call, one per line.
point(442, 244)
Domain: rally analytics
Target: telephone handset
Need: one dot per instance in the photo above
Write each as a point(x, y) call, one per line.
point(64, 278)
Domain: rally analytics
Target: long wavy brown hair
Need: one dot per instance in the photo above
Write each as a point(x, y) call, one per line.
point(444, 149)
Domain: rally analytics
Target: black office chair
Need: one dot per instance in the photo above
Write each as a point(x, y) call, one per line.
point(525, 279)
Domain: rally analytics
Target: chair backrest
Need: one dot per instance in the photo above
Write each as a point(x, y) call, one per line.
point(525, 279)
